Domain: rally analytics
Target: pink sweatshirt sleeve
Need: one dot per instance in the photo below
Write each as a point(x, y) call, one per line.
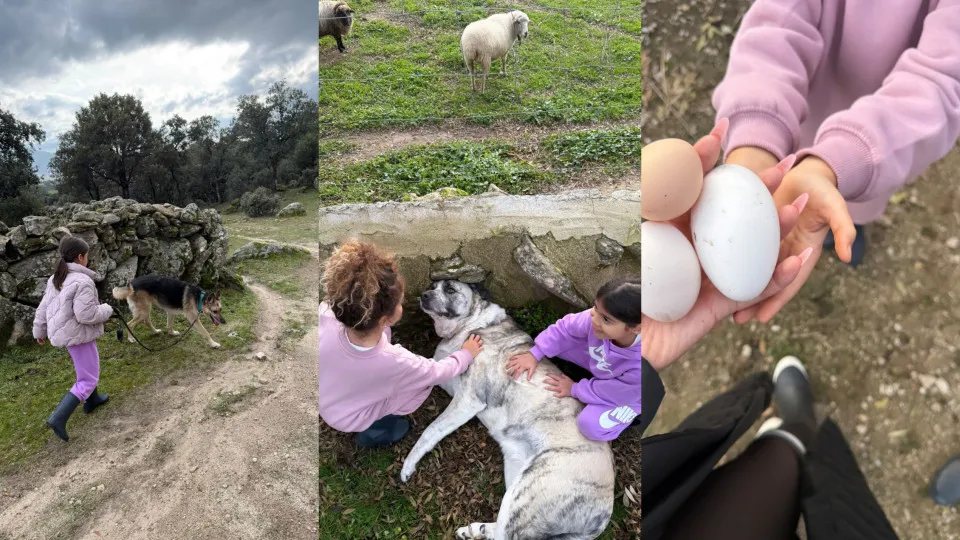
point(560, 336)
point(426, 372)
point(772, 60)
point(887, 138)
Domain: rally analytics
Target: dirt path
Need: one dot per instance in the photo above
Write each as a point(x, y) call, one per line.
point(312, 249)
point(185, 459)
point(372, 143)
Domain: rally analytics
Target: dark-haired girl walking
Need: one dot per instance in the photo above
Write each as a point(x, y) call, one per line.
point(71, 316)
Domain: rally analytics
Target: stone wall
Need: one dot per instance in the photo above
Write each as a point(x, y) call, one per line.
point(523, 248)
point(126, 238)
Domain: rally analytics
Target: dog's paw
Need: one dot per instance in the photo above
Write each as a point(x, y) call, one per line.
point(214, 344)
point(407, 471)
point(474, 531)
point(174, 332)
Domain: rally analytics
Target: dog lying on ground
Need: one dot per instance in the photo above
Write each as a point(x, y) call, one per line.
point(559, 484)
point(173, 296)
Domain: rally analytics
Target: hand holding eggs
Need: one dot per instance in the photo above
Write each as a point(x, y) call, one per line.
point(733, 222)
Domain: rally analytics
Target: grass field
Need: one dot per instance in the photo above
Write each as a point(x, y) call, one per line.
point(406, 68)
point(33, 378)
point(301, 230)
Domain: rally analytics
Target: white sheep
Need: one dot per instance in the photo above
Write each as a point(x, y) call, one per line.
point(488, 39)
point(336, 19)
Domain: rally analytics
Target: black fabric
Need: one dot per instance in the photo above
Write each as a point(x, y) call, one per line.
point(841, 505)
point(754, 497)
point(651, 395)
point(675, 464)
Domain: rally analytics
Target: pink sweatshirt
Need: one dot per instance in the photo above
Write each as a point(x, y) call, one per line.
point(358, 387)
point(872, 88)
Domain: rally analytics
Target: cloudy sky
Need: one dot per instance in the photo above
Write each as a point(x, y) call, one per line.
point(178, 56)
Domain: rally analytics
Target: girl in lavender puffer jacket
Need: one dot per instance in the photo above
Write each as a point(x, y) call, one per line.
point(71, 315)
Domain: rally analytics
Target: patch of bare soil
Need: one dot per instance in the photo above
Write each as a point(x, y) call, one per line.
point(372, 143)
point(227, 453)
point(881, 342)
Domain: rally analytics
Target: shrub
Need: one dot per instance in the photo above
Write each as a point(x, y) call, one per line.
point(260, 202)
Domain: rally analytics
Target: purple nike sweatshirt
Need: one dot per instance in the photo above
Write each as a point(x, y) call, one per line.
point(616, 370)
point(872, 88)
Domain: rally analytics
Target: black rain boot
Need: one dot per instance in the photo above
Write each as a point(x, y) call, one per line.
point(384, 432)
point(796, 421)
point(95, 400)
point(58, 420)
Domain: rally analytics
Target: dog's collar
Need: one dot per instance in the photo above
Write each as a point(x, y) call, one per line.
point(200, 302)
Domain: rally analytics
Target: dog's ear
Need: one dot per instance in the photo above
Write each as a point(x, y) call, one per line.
point(482, 291)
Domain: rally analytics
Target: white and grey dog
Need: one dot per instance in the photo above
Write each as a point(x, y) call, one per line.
point(559, 484)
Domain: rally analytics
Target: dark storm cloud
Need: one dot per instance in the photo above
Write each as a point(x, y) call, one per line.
point(36, 38)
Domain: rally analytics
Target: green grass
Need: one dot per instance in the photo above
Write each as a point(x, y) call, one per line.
point(33, 378)
point(293, 230)
point(472, 166)
point(279, 272)
point(577, 148)
point(419, 170)
point(408, 70)
point(224, 404)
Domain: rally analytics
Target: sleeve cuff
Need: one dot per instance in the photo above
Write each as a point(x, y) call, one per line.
point(759, 129)
point(850, 158)
point(537, 352)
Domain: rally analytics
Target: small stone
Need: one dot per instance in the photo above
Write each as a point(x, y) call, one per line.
point(101, 487)
point(897, 327)
point(254, 460)
point(224, 486)
point(862, 429)
point(194, 468)
point(746, 351)
point(260, 356)
point(953, 242)
point(775, 328)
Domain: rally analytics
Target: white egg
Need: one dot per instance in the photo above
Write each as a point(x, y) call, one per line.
point(670, 273)
point(736, 232)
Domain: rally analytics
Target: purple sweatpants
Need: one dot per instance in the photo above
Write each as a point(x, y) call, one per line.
point(606, 422)
point(86, 362)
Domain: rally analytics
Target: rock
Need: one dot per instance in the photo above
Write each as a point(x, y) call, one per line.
point(37, 225)
point(110, 219)
point(170, 258)
point(493, 188)
point(191, 214)
point(146, 227)
point(264, 250)
point(953, 243)
point(3, 228)
point(538, 267)
point(292, 209)
point(80, 226)
point(60, 233)
point(609, 250)
point(30, 291)
point(17, 236)
point(260, 356)
point(39, 265)
point(746, 351)
point(16, 323)
point(122, 275)
point(456, 268)
point(88, 216)
point(8, 285)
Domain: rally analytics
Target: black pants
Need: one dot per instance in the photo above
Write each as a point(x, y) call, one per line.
point(755, 496)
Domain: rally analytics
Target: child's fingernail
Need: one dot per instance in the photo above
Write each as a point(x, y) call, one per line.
point(720, 129)
point(805, 255)
point(787, 162)
point(801, 202)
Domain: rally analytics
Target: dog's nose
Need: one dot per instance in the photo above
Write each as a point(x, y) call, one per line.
point(423, 297)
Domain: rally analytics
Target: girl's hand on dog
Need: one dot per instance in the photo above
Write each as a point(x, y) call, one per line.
point(473, 345)
point(520, 364)
point(560, 384)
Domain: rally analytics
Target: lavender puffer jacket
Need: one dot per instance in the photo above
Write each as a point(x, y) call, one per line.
point(73, 315)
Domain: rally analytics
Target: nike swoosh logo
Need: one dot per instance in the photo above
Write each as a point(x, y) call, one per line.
point(621, 415)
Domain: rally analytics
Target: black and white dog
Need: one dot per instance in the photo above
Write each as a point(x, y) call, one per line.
point(559, 484)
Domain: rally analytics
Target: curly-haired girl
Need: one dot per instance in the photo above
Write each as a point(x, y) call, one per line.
point(366, 383)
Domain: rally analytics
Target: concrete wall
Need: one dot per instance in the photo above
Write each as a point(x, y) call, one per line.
point(523, 248)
